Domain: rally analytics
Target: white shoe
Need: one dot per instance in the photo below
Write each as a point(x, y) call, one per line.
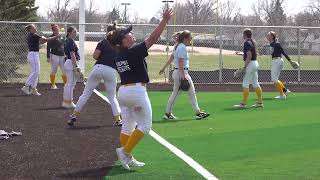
point(35, 92)
point(53, 87)
point(287, 92)
point(68, 106)
point(240, 106)
point(134, 163)
point(257, 105)
point(281, 97)
point(26, 90)
point(123, 158)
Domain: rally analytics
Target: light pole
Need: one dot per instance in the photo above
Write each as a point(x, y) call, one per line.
point(167, 48)
point(125, 11)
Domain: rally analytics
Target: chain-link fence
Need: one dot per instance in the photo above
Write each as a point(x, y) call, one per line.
point(212, 54)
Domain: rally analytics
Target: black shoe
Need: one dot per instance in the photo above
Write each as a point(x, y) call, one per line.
point(202, 115)
point(169, 116)
point(117, 123)
point(72, 119)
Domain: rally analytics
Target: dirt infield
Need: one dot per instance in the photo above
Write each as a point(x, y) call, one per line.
point(48, 149)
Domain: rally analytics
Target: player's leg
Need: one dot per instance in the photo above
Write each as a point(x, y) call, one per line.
point(194, 102)
point(54, 67)
point(172, 99)
point(245, 87)
point(276, 68)
point(256, 85)
point(68, 88)
point(61, 65)
point(110, 82)
point(27, 87)
point(36, 74)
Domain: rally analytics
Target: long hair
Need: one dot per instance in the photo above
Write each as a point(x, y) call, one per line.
point(28, 27)
point(181, 36)
point(69, 30)
point(248, 33)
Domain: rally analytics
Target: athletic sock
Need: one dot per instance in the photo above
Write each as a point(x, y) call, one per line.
point(118, 117)
point(53, 79)
point(124, 139)
point(75, 113)
point(259, 94)
point(279, 87)
point(284, 89)
point(64, 79)
point(245, 95)
point(133, 140)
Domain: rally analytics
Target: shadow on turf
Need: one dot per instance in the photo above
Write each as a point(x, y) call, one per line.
point(99, 172)
point(173, 121)
point(52, 108)
point(15, 95)
point(76, 127)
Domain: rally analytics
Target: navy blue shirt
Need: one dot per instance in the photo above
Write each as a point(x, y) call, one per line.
point(108, 54)
point(131, 64)
point(33, 41)
point(278, 50)
point(69, 47)
point(249, 46)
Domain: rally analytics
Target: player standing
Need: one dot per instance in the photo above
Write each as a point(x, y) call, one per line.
point(181, 62)
point(34, 40)
point(251, 67)
point(104, 69)
point(132, 95)
point(55, 56)
point(70, 67)
point(277, 64)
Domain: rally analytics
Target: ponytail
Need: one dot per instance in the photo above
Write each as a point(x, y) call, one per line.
point(69, 30)
point(181, 36)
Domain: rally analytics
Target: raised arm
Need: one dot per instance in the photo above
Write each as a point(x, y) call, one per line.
point(154, 36)
point(44, 39)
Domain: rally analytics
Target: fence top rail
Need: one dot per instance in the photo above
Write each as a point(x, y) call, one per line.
point(154, 25)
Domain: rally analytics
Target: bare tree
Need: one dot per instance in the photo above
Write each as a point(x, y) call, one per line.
point(201, 11)
point(228, 11)
point(61, 11)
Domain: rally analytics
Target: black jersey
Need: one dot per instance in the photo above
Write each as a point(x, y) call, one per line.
point(108, 54)
point(131, 64)
point(69, 47)
point(56, 46)
point(33, 41)
point(278, 50)
point(249, 46)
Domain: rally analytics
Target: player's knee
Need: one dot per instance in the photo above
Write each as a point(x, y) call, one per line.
point(145, 128)
point(245, 85)
point(255, 85)
point(274, 80)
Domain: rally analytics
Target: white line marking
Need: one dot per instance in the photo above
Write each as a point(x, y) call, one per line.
point(192, 163)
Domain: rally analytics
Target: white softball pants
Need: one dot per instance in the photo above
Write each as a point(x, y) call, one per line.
point(136, 109)
point(276, 67)
point(251, 75)
point(176, 83)
point(71, 81)
point(56, 61)
point(34, 61)
point(109, 76)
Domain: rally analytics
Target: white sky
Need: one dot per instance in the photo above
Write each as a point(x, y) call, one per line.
point(149, 8)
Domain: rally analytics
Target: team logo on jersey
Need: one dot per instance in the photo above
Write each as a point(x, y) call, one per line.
point(123, 66)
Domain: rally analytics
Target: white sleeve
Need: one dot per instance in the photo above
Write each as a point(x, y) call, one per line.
point(181, 52)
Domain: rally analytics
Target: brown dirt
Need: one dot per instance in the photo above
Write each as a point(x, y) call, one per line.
point(48, 149)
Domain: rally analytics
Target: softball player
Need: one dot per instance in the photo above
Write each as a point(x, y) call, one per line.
point(55, 56)
point(251, 70)
point(277, 64)
point(34, 41)
point(181, 62)
point(132, 94)
point(70, 67)
point(104, 69)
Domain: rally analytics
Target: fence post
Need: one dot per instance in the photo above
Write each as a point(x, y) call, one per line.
point(220, 54)
point(299, 54)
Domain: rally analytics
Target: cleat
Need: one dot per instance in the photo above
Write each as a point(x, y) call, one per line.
point(287, 92)
point(26, 90)
point(53, 87)
point(169, 116)
point(117, 123)
point(68, 106)
point(123, 158)
point(134, 163)
point(281, 97)
point(35, 92)
point(240, 106)
point(73, 118)
point(202, 115)
point(258, 105)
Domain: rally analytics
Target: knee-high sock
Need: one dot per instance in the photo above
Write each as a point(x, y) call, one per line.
point(282, 85)
point(124, 139)
point(53, 79)
point(245, 95)
point(118, 117)
point(279, 87)
point(133, 140)
point(64, 79)
point(259, 94)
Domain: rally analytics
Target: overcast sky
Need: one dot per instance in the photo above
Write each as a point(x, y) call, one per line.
point(149, 8)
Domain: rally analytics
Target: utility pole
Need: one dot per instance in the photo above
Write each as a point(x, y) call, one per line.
point(125, 11)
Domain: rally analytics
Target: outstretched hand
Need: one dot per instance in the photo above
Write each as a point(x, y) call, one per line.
point(167, 14)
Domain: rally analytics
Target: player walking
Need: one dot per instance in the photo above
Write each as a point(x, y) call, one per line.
point(70, 67)
point(34, 41)
point(132, 95)
point(55, 56)
point(104, 69)
point(277, 64)
point(251, 67)
point(181, 62)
